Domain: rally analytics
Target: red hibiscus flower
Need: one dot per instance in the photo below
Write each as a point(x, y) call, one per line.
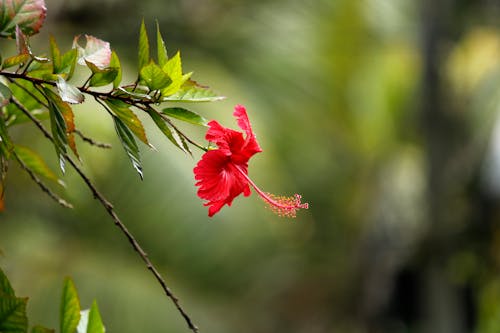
point(222, 173)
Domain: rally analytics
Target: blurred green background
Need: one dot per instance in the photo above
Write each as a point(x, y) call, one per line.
point(382, 114)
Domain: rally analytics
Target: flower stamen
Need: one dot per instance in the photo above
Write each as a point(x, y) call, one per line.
point(281, 205)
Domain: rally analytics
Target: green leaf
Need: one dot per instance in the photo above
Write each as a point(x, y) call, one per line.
point(57, 125)
point(129, 144)
point(101, 77)
point(27, 14)
point(96, 52)
point(122, 111)
point(36, 163)
point(161, 48)
point(55, 54)
point(14, 115)
point(115, 63)
point(16, 60)
point(95, 324)
point(68, 92)
point(5, 287)
point(5, 95)
point(169, 131)
point(191, 91)
point(68, 63)
point(41, 329)
point(173, 68)
point(143, 46)
point(185, 115)
point(13, 314)
point(154, 77)
point(70, 307)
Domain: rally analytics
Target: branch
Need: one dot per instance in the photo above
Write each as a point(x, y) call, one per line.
point(92, 141)
point(44, 187)
point(109, 208)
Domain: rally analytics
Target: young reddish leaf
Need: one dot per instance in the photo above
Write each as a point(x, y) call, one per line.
point(122, 111)
point(115, 63)
point(27, 14)
point(68, 92)
point(70, 307)
point(143, 46)
point(191, 91)
point(36, 163)
point(154, 77)
point(185, 115)
point(161, 49)
point(21, 42)
point(96, 51)
point(129, 144)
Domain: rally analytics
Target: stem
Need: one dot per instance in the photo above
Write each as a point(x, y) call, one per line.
point(110, 209)
point(37, 180)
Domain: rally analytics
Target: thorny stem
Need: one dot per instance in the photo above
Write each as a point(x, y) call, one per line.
point(110, 209)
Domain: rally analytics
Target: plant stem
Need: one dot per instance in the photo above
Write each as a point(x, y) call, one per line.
point(110, 210)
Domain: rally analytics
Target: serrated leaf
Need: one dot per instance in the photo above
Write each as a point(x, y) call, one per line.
point(5, 95)
point(58, 125)
point(21, 42)
point(55, 55)
point(70, 307)
point(5, 287)
point(41, 329)
point(193, 92)
point(161, 49)
point(13, 314)
point(29, 15)
point(122, 111)
point(173, 68)
point(169, 131)
point(96, 51)
point(185, 115)
point(154, 77)
point(143, 46)
point(115, 63)
point(101, 77)
point(36, 163)
point(16, 60)
point(14, 115)
point(68, 63)
point(128, 142)
point(68, 92)
point(95, 324)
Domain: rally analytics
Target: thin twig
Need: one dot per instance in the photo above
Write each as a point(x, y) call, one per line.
point(109, 208)
point(38, 181)
point(92, 141)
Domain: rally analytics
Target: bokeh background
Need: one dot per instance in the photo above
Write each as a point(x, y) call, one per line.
point(383, 114)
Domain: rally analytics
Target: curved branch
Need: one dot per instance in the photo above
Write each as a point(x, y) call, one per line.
point(110, 209)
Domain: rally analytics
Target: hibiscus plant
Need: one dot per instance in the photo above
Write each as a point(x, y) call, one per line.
point(41, 89)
